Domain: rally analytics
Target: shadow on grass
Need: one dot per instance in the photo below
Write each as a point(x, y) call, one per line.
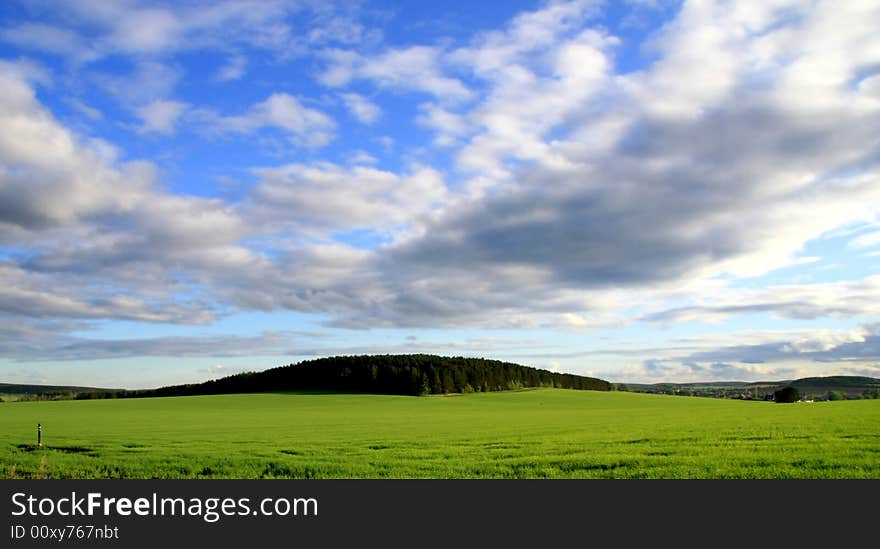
point(63, 449)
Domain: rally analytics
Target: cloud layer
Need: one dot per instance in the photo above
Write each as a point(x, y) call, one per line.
point(563, 177)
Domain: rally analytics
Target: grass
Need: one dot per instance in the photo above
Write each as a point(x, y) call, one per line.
point(546, 433)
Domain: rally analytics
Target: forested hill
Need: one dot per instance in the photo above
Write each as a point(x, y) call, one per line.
point(22, 389)
point(387, 374)
point(18, 392)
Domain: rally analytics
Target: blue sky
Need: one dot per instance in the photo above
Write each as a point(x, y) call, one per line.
point(639, 190)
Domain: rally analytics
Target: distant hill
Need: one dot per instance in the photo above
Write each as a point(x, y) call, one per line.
point(384, 374)
point(15, 391)
point(857, 382)
point(809, 387)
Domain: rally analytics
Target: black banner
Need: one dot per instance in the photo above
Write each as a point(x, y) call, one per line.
point(414, 513)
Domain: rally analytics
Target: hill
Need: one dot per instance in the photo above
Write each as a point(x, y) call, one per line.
point(15, 391)
point(857, 382)
point(417, 374)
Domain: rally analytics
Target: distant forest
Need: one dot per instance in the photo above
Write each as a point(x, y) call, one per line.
point(380, 374)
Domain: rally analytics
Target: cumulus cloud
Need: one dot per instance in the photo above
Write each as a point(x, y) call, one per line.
point(146, 30)
point(364, 110)
point(450, 127)
point(328, 197)
point(416, 68)
point(665, 192)
point(49, 176)
point(141, 28)
point(161, 116)
point(540, 72)
point(362, 157)
point(496, 52)
point(102, 239)
point(49, 38)
point(733, 187)
point(88, 111)
point(147, 81)
point(304, 126)
point(234, 69)
point(31, 295)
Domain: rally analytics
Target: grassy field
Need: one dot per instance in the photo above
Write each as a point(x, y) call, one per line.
point(543, 433)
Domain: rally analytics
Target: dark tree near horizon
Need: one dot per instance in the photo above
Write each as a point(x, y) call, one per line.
point(786, 395)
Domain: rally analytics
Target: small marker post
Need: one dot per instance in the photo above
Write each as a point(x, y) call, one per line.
point(39, 435)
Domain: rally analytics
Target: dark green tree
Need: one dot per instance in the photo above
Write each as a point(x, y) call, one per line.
point(786, 394)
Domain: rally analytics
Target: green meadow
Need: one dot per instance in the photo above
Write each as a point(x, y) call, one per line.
point(544, 433)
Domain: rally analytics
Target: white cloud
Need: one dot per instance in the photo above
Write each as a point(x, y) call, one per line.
point(450, 127)
point(364, 110)
point(103, 240)
point(146, 31)
point(148, 81)
point(540, 73)
point(527, 102)
point(416, 68)
point(340, 69)
point(161, 116)
point(48, 176)
point(87, 110)
point(328, 197)
point(822, 77)
point(649, 180)
point(341, 29)
point(304, 126)
point(495, 52)
point(867, 240)
point(362, 157)
point(49, 38)
point(869, 89)
point(387, 142)
point(27, 71)
point(698, 67)
point(234, 69)
point(99, 29)
point(31, 295)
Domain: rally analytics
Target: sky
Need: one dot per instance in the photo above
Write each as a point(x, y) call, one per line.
point(640, 190)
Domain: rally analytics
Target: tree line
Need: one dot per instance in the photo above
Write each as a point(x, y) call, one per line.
point(381, 374)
